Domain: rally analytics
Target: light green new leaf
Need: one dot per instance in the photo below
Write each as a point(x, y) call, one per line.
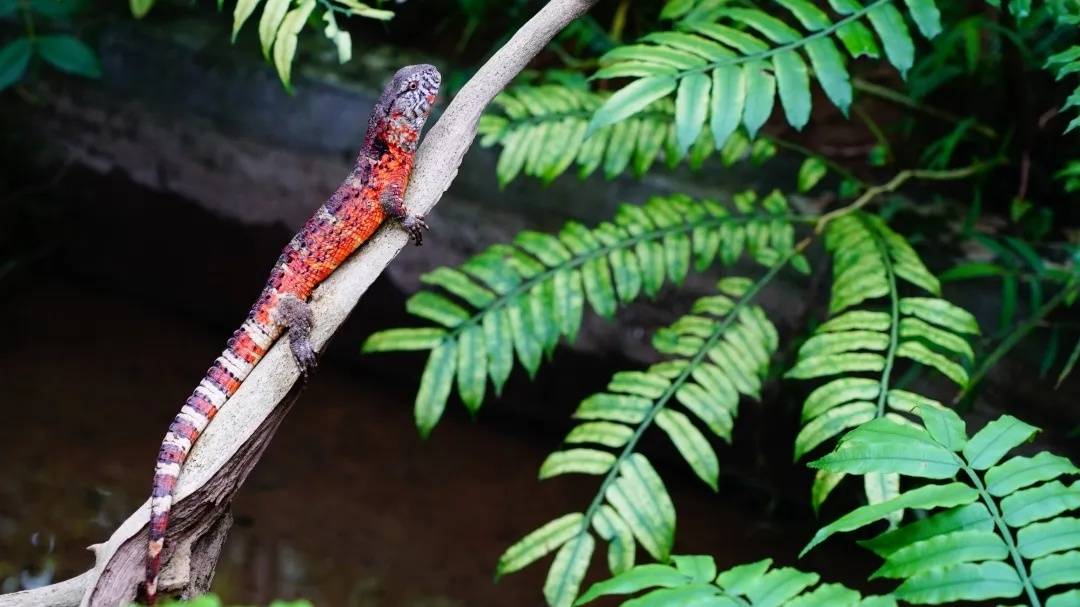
point(693, 446)
point(858, 40)
point(1019, 472)
point(540, 542)
point(793, 83)
point(913, 327)
point(964, 582)
point(599, 289)
point(760, 96)
point(630, 100)
point(272, 15)
point(929, 496)
point(568, 570)
point(836, 364)
point(621, 544)
point(919, 353)
point(607, 434)
point(435, 384)
point(926, 16)
point(527, 347)
point(139, 8)
point(436, 308)
point(866, 320)
point(831, 423)
point(996, 439)
point(500, 351)
point(576, 461)
point(241, 12)
point(728, 95)
point(614, 407)
point(838, 392)
point(639, 496)
point(941, 313)
point(691, 107)
point(287, 35)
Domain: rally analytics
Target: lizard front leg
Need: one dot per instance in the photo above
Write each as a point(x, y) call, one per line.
point(392, 200)
point(295, 314)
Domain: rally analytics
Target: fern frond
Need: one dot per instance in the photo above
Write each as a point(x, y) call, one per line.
point(858, 346)
point(998, 528)
point(521, 299)
point(716, 354)
point(693, 580)
point(727, 64)
point(542, 133)
point(1063, 64)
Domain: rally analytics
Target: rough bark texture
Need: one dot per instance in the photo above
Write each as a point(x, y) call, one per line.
point(236, 439)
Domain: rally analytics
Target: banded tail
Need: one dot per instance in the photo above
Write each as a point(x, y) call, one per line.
point(248, 345)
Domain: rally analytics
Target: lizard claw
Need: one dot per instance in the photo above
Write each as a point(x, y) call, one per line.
point(306, 361)
point(414, 226)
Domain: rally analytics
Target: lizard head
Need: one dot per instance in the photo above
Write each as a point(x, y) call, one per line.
point(413, 91)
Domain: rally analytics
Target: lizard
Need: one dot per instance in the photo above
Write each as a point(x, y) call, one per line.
point(373, 191)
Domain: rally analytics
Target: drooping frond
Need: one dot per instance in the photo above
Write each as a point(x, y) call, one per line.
point(541, 130)
point(523, 298)
point(717, 353)
point(727, 63)
point(871, 326)
point(693, 580)
point(1063, 64)
point(996, 529)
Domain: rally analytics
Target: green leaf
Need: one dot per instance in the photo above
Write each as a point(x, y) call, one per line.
point(691, 106)
point(1056, 569)
point(858, 40)
point(777, 586)
point(829, 67)
point(793, 83)
point(967, 582)
point(460, 284)
point(599, 289)
point(540, 542)
point(435, 385)
point(635, 580)
point(69, 54)
point(576, 461)
point(941, 313)
point(273, 13)
point(614, 407)
point(913, 327)
point(944, 426)
point(1069, 598)
point(472, 367)
point(639, 496)
point(499, 338)
point(824, 344)
point(921, 354)
point(926, 16)
point(996, 439)
point(14, 57)
point(287, 34)
point(889, 25)
point(568, 570)
point(139, 8)
point(728, 94)
point(970, 517)
point(943, 551)
point(1040, 539)
point(569, 302)
point(811, 172)
point(700, 569)
point(621, 544)
point(525, 344)
point(909, 458)
point(241, 12)
point(630, 100)
point(929, 496)
point(831, 423)
point(1019, 472)
point(602, 433)
point(760, 93)
point(1039, 503)
point(693, 446)
point(422, 338)
point(836, 364)
point(436, 308)
point(858, 319)
point(838, 392)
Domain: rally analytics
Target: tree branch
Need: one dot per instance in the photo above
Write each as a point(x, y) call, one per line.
point(235, 440)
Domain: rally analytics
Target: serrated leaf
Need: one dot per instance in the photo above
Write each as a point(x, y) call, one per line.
point(996, 439)
point(435, 384)
point(929, 496)
point(691, 444)
point(540, 542)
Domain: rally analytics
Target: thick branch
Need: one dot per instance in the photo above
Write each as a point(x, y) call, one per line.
point(235, 440)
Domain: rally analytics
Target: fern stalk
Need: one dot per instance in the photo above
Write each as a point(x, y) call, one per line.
point(680, 379)
point(894, 317)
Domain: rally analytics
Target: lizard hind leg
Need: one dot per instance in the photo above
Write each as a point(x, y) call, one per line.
point(295, 314)
point(392, 200)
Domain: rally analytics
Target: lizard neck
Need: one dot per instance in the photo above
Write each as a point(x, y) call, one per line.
point(400, 134)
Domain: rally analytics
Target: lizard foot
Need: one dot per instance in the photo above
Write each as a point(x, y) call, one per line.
point(295, 314)
point(415, 225)
point(304, 355)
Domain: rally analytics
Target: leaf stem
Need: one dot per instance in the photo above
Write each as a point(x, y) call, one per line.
point(899, 98)
point(894, 315)
point(900, 179)
point(676, 383)
point(1003, 529)
point(1012, 339)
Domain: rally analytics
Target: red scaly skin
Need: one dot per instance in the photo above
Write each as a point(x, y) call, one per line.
point(371, 193)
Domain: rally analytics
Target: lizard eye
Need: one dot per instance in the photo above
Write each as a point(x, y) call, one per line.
point(413, 85)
